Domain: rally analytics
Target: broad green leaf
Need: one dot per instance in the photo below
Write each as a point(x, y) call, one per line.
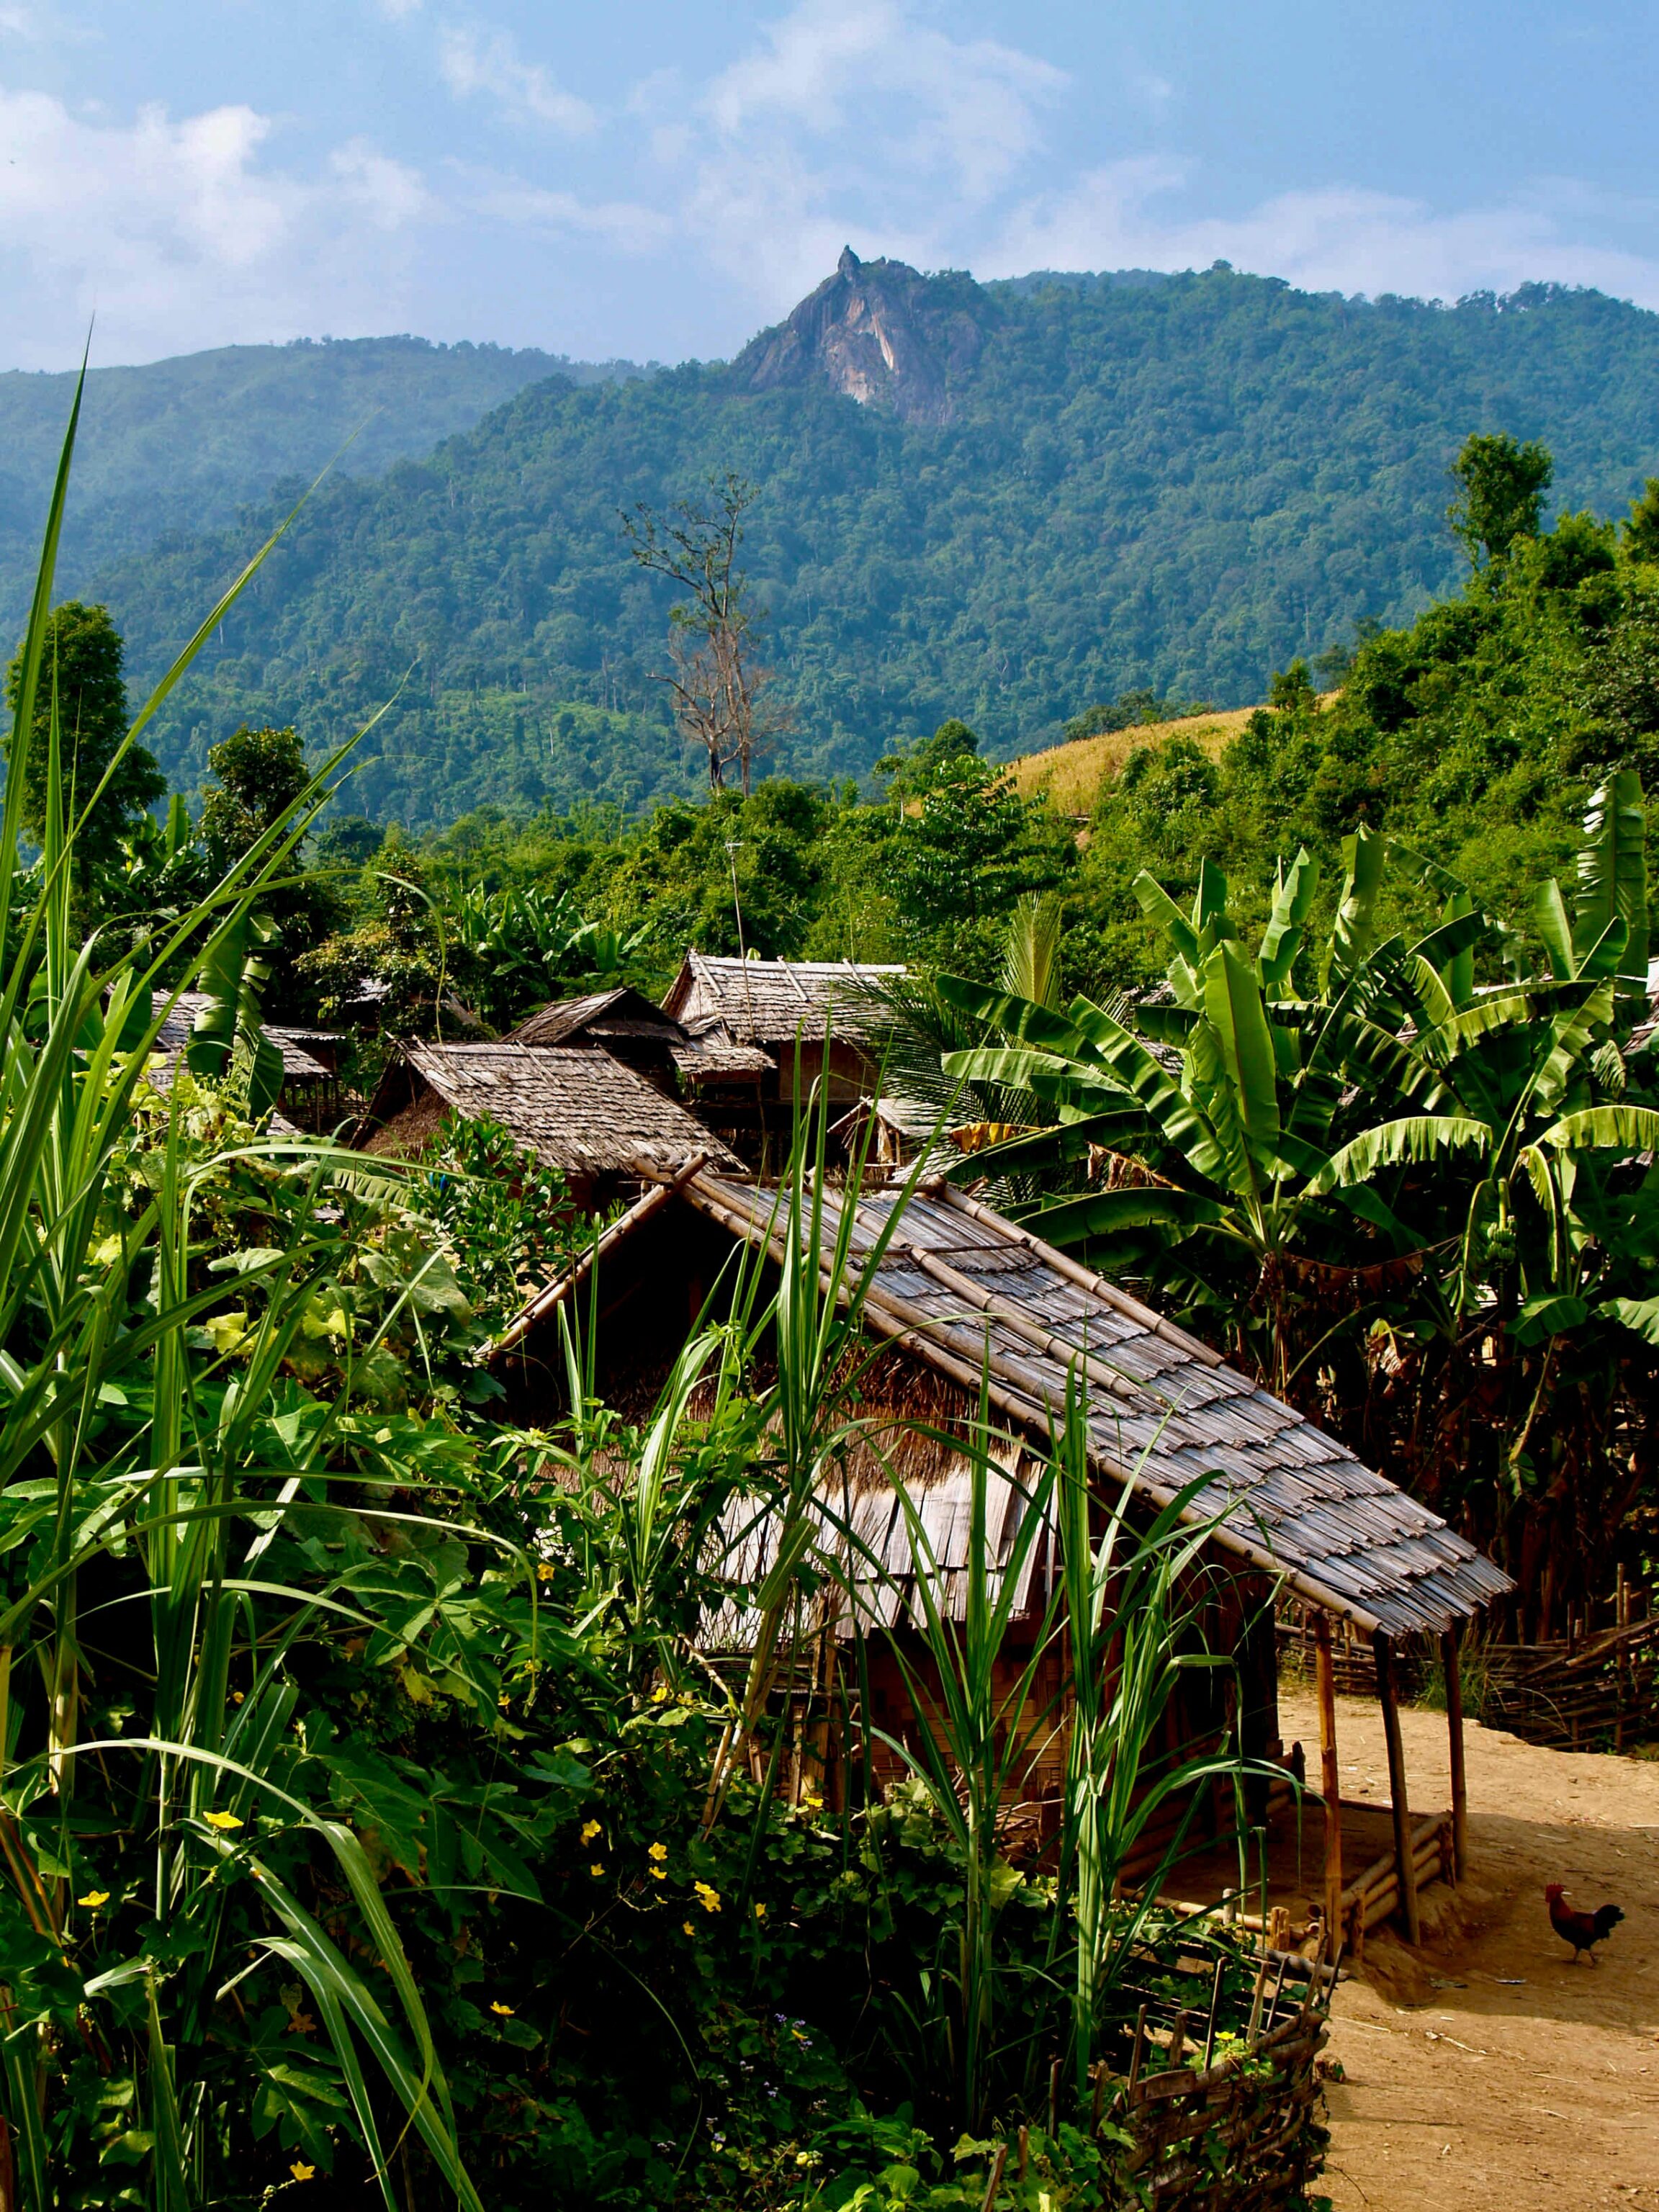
point(1640, 1314)
point(1612, 876)
point(1232, 999)
point(1553, 1313)
point(1106, 1212)
point(1293, 896)
point(1411, 1140)
point(1364, 855)
point(1549, 911)
point(1605, 1129)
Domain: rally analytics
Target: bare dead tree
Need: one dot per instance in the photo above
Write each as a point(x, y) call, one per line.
point(717, 684)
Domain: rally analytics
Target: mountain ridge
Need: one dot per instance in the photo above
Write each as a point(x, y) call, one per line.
point(1177, 483)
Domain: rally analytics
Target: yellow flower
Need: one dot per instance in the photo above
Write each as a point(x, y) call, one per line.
point(237, 1696)
point(656, 1852)
point(545, 1570)
point(506, 2011)
point(300, 2171)
point(223, 1821)
point(660, 1695)
point(686, 1928)
point(503, 1701)
point(707, 1896)
point(94, 1899)
point(760, 1912)
point(590, 1829)
point(657, 1872)
point(596, 1871)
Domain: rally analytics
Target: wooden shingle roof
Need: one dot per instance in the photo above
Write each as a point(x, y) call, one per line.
point(773, 1001)
point(960, 1288)
point(574, 1107)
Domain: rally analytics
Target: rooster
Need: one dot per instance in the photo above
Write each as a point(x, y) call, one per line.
point(1584, 1930)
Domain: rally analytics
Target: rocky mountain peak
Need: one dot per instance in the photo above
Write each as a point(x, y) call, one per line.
point(881, 332)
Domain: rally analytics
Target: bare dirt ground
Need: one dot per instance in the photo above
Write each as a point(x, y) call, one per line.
point(1486, 2072)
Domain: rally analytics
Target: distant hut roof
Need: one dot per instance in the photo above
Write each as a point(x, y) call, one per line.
point(299, 1066)
point(575, 1108)
point(773, 1001)
point(619, 1012)
point(958, 1285)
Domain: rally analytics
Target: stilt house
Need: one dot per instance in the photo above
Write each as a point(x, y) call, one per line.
point(964, 1299)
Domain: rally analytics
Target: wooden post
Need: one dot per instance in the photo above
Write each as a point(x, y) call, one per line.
point(1460, 1787)
point(1401, 1809)
point(1330, 1779)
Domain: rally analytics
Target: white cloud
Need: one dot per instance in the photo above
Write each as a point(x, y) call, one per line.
point(396, 11)
point(624, 224)
point(473, 61)
point(174, 235)
point(1334, 238)
point(964, 108)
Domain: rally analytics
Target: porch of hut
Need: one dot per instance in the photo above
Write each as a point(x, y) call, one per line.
point(975, 1311)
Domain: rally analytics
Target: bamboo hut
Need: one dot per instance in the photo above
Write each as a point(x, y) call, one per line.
point(577, 1109)
point(965, 1301)
point(784, 1010)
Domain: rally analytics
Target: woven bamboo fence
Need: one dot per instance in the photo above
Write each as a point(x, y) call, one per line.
point(1244, 2134)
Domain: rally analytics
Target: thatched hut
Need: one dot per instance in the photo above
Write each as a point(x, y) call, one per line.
point(784, 1009)
point(601, 1125)
point(967, 1301)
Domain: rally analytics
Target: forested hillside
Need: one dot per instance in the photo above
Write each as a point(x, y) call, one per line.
point(1179, 483)
point(181, 445)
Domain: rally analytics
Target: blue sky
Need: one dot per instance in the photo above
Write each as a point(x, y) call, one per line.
point(657, 180)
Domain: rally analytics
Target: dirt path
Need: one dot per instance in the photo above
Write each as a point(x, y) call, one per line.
point(1487, 2072)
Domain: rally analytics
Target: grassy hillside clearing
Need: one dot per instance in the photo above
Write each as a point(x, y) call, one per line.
point(1071, 776)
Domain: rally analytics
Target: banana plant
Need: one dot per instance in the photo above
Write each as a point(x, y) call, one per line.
point(1237, 1146)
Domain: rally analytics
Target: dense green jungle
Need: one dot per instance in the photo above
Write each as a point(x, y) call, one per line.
point(174, 447)
point(1175, 482)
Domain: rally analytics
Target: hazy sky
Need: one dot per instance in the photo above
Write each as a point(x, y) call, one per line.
point(656, 179)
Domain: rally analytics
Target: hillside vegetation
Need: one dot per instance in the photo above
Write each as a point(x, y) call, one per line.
point(181, 445)
point(1179, 483)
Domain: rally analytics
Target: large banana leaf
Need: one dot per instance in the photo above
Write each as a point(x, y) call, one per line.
point(1232, 1000)
point(1282, 939)
point(1605, 1129)
point(1107, 1213)
point(1365, 857)
point(1021, 1020)
point(1410, 1141)
point(1613, 871)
